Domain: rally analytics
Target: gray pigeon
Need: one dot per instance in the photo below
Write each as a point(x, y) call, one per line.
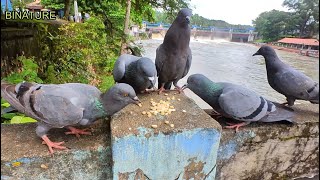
point(173, 56)
point(66, 105)
point(288, 81)
point(236, 102)
point(139, 72)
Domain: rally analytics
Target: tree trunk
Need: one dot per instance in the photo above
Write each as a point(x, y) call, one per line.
point(67, 8)
point(126, 27)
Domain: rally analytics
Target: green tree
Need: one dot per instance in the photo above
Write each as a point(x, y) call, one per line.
point(306, 13)
point(53, 4)
point(274, 24)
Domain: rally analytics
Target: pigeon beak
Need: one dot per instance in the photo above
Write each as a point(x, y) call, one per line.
point(184, 86)
point(188, 19)
point(257, 53)
point(136, 100)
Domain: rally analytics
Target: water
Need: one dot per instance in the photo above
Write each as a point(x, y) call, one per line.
point(233, 62)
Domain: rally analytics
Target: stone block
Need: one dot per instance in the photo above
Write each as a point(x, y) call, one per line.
point(272, 150)
point(186, 151)
point(24, 157)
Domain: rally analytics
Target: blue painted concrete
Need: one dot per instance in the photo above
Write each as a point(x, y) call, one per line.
point(163, 156)
point(231, 147)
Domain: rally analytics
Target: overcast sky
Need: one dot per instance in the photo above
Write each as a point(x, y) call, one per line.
point(234, 11)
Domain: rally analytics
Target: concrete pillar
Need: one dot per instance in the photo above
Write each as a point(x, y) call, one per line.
point(186, 151)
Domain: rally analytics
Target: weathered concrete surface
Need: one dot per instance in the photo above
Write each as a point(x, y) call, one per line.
point(89, 157)
point(187, 151)
point(272, 150)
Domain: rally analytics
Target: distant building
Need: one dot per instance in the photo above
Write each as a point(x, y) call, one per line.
point(35, 6)
point(298, 43)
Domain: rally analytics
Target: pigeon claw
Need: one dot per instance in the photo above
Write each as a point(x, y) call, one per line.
point(77, 132)
point(148, 91)
point(179, 89)
point(236, 126)
point(161, 90)
point(52, 145)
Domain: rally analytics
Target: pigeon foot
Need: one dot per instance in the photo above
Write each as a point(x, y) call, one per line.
point(77, 132)
point(161, 90)
point(51, 144)
point(179, 89)
point(236, 126)
point(148, 91)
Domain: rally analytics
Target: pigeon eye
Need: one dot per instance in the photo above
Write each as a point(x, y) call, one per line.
point(125, 94)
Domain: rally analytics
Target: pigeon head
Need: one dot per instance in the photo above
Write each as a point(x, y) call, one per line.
point(265, 51)
point(119, 96)
point(148, 69)
point(184, 16)
point(195, 82)
point(199, 84)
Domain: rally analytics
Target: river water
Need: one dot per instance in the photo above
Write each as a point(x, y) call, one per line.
point(223, 61)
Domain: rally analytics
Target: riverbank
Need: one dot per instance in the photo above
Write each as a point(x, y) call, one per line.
point(304, 52)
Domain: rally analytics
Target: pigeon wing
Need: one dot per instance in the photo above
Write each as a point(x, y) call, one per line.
point(120, 65)
point(188, 64)
point(160, 58)
point(294, 83)
point(242, 104)
point(56, 105)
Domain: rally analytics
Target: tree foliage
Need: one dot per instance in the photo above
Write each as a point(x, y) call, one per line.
point(274, 24)
point(301, 21)
point(306, 13)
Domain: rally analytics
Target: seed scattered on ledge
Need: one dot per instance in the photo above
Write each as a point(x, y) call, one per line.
point(16, 164)
point(166, 94)
point(140, 104)
point(154, 126)
point(172, 125)
point(184, 111)
point(166, 122)
point(43, 166)
point(143, 112)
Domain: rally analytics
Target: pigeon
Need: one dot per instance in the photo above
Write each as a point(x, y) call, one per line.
point(237, 102)
point(139, 72)
point(173, 56)
point(66, 105)
point(288, 81)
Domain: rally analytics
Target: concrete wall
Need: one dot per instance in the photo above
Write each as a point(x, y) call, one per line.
point(257, 151)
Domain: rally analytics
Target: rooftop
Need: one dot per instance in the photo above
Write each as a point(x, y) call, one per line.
point(310, 42)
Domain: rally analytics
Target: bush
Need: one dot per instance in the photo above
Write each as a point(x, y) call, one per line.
point(80, 53)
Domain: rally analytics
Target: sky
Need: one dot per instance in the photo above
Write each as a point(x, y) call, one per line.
point(234, 11)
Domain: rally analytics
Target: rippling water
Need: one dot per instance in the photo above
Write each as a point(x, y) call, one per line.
point(233, 62)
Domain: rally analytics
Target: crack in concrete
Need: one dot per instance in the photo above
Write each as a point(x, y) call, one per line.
point(177, 177)
point(210, 171)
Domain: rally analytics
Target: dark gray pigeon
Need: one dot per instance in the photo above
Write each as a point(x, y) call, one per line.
point(139, 72)
point(287, 80)
point(236, 102)
point(66, 105)
point(173, 56)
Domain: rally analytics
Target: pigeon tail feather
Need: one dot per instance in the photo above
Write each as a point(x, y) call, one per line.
point(282, 113)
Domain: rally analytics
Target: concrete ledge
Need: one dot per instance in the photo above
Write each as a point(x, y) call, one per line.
point(24, 157)
point(186, 151)
point(272, 150)
point(258, 151)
